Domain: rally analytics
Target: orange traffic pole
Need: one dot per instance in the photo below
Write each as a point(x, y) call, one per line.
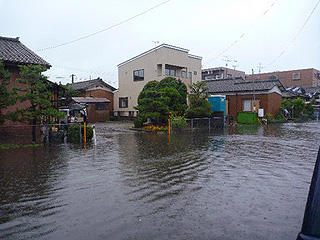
point(84, 133)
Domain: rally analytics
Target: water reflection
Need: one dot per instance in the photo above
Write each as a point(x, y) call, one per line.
point(158, 166)
point(29, 191)
point(242, 181)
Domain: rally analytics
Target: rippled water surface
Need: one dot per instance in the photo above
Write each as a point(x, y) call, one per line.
point(242, 182)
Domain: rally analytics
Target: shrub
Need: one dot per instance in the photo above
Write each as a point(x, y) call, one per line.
point(73, 133)
point(138, 122)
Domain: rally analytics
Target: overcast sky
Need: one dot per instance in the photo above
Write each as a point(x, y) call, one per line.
point(250, 32)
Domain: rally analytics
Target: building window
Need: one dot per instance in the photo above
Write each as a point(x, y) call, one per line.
point(102, 106)
point(123, 102)
point(195, 72)
point(138, 75)
point(170, 72)
point(183, 74)
point(272, 77)
point(282, 78)
point(247, 105)
point(296, 76)
point(190, 75)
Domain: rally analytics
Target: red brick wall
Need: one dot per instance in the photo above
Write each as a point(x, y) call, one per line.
point(307, 77)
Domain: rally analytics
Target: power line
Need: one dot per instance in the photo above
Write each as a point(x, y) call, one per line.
point(103, 30)
point(241, 36)
point(295, 37)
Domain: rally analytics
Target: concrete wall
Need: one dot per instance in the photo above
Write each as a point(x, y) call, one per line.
point(154, 64)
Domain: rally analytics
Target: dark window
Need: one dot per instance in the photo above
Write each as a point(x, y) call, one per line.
point(190, 75)
point(102, 106)
point(170, 72)
point(123, 102)
point(183, 74)
point(138, 75)
point(272, 77)
point(296, 76)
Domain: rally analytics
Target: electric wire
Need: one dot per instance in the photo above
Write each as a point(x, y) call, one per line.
point(241, 36)
point(296, 36)
point(103, 30)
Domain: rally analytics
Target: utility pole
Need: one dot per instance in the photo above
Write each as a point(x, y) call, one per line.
point(72, 77)
point(254, 94)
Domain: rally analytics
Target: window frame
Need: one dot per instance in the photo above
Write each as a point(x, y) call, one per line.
point(243, 105)
point(138, 75)
point(294, 76)
point(170, 72)
point(123, 102)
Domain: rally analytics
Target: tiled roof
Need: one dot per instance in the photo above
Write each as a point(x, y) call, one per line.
point(240, 85)
point(90, 100)
point(13, 51)
point(91, 83)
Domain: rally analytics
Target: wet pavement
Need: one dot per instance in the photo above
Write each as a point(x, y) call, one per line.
point(241, 182)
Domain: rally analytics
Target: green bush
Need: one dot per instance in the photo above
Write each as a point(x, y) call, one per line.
point(138, 122)
point(73, 133)
point(178, 123)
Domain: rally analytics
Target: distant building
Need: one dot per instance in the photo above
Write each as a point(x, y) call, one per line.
point(221, 73)
point(96, 88)
point(160, 62)
point(301, 77)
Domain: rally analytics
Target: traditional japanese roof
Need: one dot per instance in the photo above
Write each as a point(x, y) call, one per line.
point(14, 52)
point(240, 85)
point(84, 85)
point(90, 100)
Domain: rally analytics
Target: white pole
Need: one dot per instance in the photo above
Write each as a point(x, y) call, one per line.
point(94, 135)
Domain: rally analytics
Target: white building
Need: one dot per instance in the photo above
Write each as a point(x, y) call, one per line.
point(160, 62)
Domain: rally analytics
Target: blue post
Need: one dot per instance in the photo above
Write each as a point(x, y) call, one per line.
point(311, 223)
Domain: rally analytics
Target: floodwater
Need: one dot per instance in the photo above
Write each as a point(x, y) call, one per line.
point(241, 182)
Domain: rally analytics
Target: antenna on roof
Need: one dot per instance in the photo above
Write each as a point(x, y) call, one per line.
point(156, 43)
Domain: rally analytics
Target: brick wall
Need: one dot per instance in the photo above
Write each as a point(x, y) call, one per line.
point(301, 77)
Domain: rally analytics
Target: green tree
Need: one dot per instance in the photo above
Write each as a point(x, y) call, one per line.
point(7, 96)
point(158, 99)
point(66, 93)
point(36, 90)
point(198, 103)
point(298, 106)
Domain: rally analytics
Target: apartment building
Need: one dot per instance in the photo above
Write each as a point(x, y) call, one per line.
point(157, 63)
point(301, 77)
point(221, 73)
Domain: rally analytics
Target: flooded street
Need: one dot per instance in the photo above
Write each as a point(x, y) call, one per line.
point(241, 182)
